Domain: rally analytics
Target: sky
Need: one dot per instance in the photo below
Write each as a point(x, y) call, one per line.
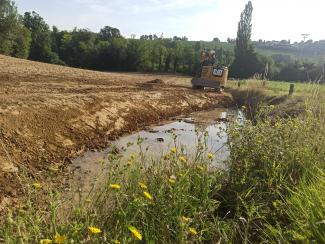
point(196, 19)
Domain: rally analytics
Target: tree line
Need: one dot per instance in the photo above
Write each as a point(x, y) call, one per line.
point(29, 36)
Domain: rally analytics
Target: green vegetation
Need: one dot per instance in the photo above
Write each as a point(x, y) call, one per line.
point(159, 202)
point(14, 37)
point(246, 62)
point(40, 49)
point(272, 165)
point(30, 37)
point(272, 190)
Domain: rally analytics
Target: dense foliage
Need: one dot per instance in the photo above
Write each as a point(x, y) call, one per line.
point(29, 36)
point(14, 37)
point(246, 62)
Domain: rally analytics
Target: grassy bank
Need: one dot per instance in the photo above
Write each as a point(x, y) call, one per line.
point(256, 93)
point(273, 191)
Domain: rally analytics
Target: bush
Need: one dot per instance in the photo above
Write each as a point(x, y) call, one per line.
point(268, 162)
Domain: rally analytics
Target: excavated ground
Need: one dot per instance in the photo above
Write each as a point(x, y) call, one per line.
point(50, 114)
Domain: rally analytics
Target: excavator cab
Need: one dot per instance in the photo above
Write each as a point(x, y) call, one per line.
point(210, 75)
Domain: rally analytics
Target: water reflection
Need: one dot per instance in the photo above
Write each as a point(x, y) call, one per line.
point(207, 126)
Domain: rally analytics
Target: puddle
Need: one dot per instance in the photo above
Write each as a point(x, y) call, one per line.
point(157, 140)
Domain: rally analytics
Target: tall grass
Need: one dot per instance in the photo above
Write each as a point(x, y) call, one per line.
point(270, 160)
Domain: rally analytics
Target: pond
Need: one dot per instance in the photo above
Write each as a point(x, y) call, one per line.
point(184, 131)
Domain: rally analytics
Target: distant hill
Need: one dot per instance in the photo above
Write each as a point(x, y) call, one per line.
point(280, 50)
point(312, 51)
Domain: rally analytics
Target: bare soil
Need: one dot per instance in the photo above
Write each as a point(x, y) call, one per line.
point(50, 114)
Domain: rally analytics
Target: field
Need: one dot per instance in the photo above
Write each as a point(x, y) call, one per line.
point(50, 114)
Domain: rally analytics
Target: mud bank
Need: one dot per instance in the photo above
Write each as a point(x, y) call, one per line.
point(51, 114)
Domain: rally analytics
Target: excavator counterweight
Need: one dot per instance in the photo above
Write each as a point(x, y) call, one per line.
point(210, 75)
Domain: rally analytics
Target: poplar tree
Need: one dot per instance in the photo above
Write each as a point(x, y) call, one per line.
point(246, 62)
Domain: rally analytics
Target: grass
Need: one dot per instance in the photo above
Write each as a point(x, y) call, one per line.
point(271, 161)
point(272, 192)
point(281, 88)
point(255, 93)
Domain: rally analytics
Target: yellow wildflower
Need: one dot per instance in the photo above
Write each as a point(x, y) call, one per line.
point(129, 163)
point(46, 241)
point(210, 156)
point(192, 231)
point(199, 167)
point(147, 195)
point(88, 200)
point(173, 150)
point(94, 230)
point(135, 232)
point(37, 185)
point(116, 242)
point(185, 219)
point(54, 169)
point(182, 159)
point(143, 186)
point(60, 239)
point(171, 181)
point(115, 186)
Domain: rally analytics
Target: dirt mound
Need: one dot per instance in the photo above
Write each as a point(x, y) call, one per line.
point(155, 81)
point(50, 114)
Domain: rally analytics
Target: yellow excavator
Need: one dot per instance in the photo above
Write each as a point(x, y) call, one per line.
point(210, 75)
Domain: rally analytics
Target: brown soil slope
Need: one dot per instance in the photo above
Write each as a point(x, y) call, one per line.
point(49, 113)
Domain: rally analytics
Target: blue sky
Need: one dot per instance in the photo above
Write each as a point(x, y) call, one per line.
point(196, 19)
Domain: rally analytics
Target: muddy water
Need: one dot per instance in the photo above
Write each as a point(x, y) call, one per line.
point(86, 171)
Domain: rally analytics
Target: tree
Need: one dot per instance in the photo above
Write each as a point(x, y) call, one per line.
point(176, 38)
point(21, 44)
point(162, 52)
point(135, 55)
point(189, 59)
point(216, 39)
point(244, 32)
point(184, 38)
point(108, 33)
point(8, 21)
point(229, 40)
point(14, 38)
point(177, 54)
point(40, 49)
point(78, 48)
point(246, 61)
